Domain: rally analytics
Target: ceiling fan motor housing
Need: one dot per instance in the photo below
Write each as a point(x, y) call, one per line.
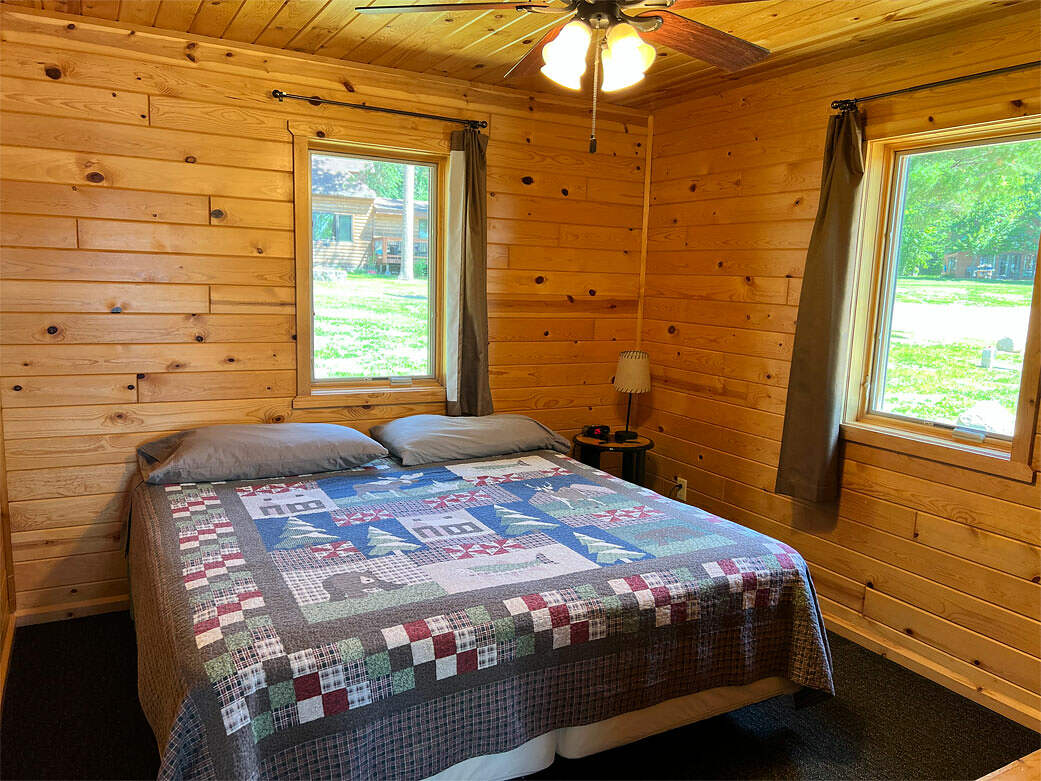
point(603, 14)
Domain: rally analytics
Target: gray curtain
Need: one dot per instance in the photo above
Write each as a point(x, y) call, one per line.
point(466, 267)
point(809, 466)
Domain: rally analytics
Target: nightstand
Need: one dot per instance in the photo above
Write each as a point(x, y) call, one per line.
point(634, 454)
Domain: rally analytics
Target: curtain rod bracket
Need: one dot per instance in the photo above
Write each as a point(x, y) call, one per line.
point(848, 104)
point(315, 100)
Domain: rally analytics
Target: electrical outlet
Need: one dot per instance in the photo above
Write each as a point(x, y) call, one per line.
point(681, 494)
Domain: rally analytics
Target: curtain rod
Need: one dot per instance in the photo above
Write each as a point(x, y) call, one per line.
point(848, 104)
point(314, 100)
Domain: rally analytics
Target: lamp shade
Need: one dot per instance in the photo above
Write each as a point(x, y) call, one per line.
point(633, 374)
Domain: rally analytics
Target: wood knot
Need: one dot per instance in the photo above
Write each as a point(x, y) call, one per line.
point(320, 134)
point(563, 191)
point(96, 177)
point(17, 387)
point(130, 387)
point(116, 310)
point(672, 329)
point(70, 26)
point(592, 292)
point(539, 280)
point(1017, 103)
point(527, 180)
point(140, 376)
point(52, 72)
point(260, 250)
point(348, 86)
point(693, 187)
point(545, 333)
point(52, 329)
point(190, 159)
point(570, 299)
point(199, 338)
point(229, 359)
point(217, 214)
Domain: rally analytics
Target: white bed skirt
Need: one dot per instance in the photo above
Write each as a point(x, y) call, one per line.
point(574, 742)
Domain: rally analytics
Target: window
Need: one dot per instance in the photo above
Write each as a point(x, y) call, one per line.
point(947, 343)
point(372, 277)
point(326, 226)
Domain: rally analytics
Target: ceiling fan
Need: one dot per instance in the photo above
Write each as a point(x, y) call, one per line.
point(650, 19)
point(619, 28)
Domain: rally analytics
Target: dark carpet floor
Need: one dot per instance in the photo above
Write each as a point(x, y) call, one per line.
point(70, 711)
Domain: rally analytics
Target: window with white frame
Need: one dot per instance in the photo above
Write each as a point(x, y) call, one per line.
point(373, 268)
point(954, 277)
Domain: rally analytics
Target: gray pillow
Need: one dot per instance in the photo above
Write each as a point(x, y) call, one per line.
point(424, 439)
point(246, 452)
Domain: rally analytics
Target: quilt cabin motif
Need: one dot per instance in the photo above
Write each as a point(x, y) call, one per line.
point(327, 611)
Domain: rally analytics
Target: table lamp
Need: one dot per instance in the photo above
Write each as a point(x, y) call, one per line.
point(633, 375)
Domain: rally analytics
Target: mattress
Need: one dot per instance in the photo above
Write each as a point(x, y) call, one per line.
point(392, 622)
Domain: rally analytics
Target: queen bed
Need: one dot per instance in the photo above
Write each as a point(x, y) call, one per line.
point(463, 619)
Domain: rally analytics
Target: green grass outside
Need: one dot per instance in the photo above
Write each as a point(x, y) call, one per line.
point(977, 292)
point(939, 379)
point(369, 326)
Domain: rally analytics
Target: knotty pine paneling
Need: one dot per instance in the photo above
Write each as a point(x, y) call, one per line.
point(147, 271)
point(934, 565)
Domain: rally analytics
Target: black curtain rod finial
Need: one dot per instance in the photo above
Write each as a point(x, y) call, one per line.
point(849, 104)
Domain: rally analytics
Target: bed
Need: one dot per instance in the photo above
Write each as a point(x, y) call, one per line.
point(468, 619)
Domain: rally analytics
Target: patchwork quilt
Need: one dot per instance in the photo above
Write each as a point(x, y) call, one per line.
point(389, 622)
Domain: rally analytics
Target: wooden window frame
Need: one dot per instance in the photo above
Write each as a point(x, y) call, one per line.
point(1008, 457)
point(312, 393)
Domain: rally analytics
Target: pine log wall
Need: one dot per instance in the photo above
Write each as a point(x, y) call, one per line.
point(935, 566)
point(148, 262)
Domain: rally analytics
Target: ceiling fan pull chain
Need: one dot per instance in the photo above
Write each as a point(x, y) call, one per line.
point(596, 88)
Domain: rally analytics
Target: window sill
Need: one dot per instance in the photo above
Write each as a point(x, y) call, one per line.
point(975, 457)
point(364, 397)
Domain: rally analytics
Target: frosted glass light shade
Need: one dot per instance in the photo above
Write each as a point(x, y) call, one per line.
point(565, 55)
point(626, 58)
point(633, 374)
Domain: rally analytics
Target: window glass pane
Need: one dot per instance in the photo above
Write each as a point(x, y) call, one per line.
point(954, 321)
point(372, 286)
point(344, 230)
point(322, 225)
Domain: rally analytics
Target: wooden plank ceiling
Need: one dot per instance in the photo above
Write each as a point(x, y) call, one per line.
point(481, 47)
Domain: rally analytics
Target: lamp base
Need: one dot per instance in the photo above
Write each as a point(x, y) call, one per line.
point(625, 436)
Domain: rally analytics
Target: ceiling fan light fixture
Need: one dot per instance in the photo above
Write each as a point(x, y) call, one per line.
point(626, 58)
point(565, 55)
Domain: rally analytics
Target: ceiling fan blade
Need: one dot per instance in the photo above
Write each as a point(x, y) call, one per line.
point(703, 42)
point(419, 9)
point(530, 63)
point(680, 4)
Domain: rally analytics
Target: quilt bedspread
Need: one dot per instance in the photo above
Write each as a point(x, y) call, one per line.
point(388, 622)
